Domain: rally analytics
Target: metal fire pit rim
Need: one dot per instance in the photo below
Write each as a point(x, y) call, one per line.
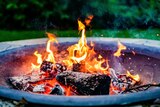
point(141, 46)
point(82, 101)
point(19, 43)
point(122, 99)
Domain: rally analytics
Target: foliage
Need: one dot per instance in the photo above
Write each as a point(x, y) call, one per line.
point(132, 33)
point(62, 14)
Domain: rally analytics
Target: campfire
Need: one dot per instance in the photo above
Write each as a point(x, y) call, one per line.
point(78, 70)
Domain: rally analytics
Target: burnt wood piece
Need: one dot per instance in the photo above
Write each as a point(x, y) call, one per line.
point(85, 83)
point(21, 82)
point(24, 82)
point(60, 67)
point(57, 90)
point(76, 67)
point(140, 88)
point(46, 66)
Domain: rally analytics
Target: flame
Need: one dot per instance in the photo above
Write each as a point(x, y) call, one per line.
point(81, 26)
point(120, 48)
point(88, 20)
point(52, 38)
point(78, 52)
point(39, 60)
point(39, 57)
point(68, 91)
point(96, 65)
point(134, 77)
point(50, 55)
point(82, 53)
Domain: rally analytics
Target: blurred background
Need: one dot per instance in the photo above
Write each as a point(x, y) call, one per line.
point(21, 19)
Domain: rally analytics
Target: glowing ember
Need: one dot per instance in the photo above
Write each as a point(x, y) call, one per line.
point(68, 91)
point(120, 48)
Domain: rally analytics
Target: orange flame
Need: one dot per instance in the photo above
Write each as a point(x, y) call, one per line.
point(81, 53)
point(50, 56)
point(134, 77)
point(68, 91)
point(96, 65)
point(78, 52)
point(88, 20)
point(120, 48)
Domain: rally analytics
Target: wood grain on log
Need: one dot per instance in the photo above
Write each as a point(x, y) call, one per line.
point(85, 83)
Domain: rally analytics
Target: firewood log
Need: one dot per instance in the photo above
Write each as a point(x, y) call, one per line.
point(85, 83)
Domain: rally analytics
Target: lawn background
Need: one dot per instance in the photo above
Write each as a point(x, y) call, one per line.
point(153, 34)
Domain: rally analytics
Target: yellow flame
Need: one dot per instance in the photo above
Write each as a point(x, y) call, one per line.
point(39, 60)
point(50, 55)
point(96, 65)
point(134, 77)
point(120, 48)
point(81, 26)
point(52, 38)
point(78, 52)
point(81, 53)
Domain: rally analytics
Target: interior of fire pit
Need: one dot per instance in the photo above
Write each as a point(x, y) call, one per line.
point(143, 61)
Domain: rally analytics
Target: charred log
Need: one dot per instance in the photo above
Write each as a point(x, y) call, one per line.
point(46, 66)
point(49, 67)
point(85, 83)
point(57, 90)
point(50, 70)
point(21, 83)
point(59, 67)
point(79, 67)
point(24, 82)
point(140, 88)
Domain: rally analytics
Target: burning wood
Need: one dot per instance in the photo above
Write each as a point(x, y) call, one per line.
point(46, 66)
point(85, 83)
point(121, 82)
point(81, 72)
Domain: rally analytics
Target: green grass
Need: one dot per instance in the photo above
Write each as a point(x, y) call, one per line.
point(153, 34)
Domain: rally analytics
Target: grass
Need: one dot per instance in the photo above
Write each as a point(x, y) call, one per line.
point(153, 34)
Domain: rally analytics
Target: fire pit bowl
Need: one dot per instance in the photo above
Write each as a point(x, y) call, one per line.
point(15, 56)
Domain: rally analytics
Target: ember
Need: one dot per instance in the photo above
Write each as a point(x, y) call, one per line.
point(81, 71)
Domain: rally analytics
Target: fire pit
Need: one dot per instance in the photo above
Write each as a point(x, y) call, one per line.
point(95, 72)
point(145, 62)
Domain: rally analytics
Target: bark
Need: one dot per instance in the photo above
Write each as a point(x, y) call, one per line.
point(85, 83)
